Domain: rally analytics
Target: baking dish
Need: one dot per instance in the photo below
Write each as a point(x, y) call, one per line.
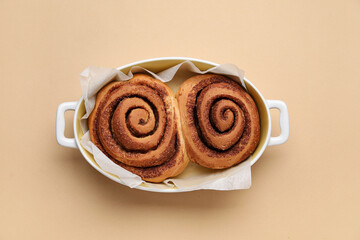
point(157, 65)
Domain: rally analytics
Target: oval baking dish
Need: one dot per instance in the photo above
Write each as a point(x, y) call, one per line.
point(157, 65)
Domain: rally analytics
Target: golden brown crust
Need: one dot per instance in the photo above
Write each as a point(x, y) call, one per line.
point(220, 121)
point(136, 124)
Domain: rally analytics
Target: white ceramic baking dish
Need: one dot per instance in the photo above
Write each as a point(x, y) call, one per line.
point(157, 65)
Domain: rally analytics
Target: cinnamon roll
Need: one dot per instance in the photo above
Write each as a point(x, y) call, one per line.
point(220, 121)
point(136, 124)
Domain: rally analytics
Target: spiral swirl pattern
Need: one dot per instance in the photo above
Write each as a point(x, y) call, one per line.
point(220, 121)
point(136, 124)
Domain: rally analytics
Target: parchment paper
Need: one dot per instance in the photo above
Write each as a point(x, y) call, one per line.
point(194, 177)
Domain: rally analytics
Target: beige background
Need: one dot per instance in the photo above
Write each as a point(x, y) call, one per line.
point(306, 53)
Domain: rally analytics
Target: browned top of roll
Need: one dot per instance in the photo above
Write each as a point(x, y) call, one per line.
point(220, 121)
point(136, 124)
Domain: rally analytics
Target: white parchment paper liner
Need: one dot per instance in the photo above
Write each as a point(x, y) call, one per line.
point(194, 177)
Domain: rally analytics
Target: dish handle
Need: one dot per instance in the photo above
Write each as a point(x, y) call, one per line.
point(60, 124)
point(284, 122)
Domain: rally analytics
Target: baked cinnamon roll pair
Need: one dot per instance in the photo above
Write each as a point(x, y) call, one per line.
point(140, 125)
